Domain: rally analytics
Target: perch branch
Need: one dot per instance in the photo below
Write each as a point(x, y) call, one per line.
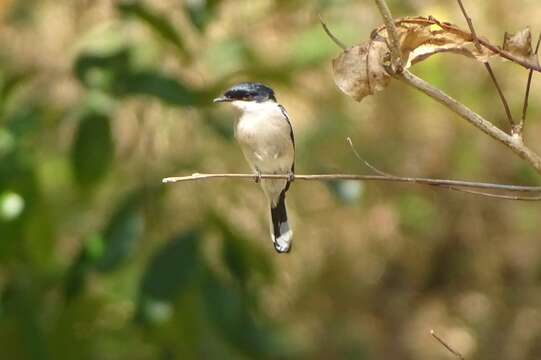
point(514, 127)
point(445, 345)
point(514, 143)
point(330, 177)
point(443, 183)
point(527, 95)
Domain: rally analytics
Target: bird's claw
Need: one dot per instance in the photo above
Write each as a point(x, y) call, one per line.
point(257, 176)
point(290, 177)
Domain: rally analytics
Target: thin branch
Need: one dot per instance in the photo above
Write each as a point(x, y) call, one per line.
point(445, 345)
point(470, 25)
point(515, 144)
point(474, 192)
point(449, 184)
point(498, 196)
point(394, 46)
point(527, 95)
point(502, 98)
point(489, 69)
point(368, 165)
point(510, 56)
point(331, 35)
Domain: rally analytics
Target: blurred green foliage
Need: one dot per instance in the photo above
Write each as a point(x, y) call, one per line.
point(98, 260)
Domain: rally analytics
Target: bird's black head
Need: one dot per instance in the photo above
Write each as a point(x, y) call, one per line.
point(247, 92)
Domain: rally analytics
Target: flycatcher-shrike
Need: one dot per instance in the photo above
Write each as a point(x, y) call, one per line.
point(266, 138)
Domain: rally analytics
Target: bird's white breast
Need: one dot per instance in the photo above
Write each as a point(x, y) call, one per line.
point(265, 135)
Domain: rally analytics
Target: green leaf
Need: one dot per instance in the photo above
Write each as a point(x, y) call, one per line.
point(18, 176)
point(171, 272)
point(156, 22)
point(121, 235)
point(113, 73)
point(8, 86)
point(153, 83)
point(240, 323)
point(108, 250)
point(241, 256)
point(103, 71)
point(75, 279)
point(201, 12)
point(92, 150)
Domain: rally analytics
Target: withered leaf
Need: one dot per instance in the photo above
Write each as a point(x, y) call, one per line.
point(359, 71)
point(520, 44)
point(421, 38)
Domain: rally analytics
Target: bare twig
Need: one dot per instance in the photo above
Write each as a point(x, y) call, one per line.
point(473, 118)
point(502, 98)
point(456, 185)
point(331, 35)
point(390, 27)
point(470, 25)
point(445, 345)
point(509, 56)
point(443, 183)
point(489, 69)
point(498, 196)
point(455, 188)
point(527, 95)
point(361, 159)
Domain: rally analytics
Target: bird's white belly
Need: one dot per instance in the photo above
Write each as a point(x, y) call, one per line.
point(266, 143)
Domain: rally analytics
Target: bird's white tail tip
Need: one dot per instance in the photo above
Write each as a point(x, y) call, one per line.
point(283, 243)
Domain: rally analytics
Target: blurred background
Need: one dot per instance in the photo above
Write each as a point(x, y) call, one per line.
point(98, 260)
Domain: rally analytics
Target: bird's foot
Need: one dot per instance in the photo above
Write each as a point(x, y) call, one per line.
point(290, 177)
point(257, 176)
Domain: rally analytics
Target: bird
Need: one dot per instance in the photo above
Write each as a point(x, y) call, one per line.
point(265, 135)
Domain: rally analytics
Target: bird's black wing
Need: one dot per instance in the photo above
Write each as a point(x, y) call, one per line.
point(286, 116)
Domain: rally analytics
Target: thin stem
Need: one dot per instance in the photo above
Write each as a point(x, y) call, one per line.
point(489, 68)
point(516, 145)
point(331, 35)
point(502, 98)
point(527, 95)
point(474, 192)
point(443, 183)
point(393, 34)
point(445, 345)
point(366, 163)
point(510, 56)
point(498, 196)
point(470, 25)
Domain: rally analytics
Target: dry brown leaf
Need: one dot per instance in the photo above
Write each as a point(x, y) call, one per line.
point(423, 37)
point(520, 44)
point(359, 71)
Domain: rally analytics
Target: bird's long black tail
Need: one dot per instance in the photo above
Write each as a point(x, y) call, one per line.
point(281, 232)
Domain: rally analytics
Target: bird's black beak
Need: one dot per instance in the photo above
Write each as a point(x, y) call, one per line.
point(221, 99)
